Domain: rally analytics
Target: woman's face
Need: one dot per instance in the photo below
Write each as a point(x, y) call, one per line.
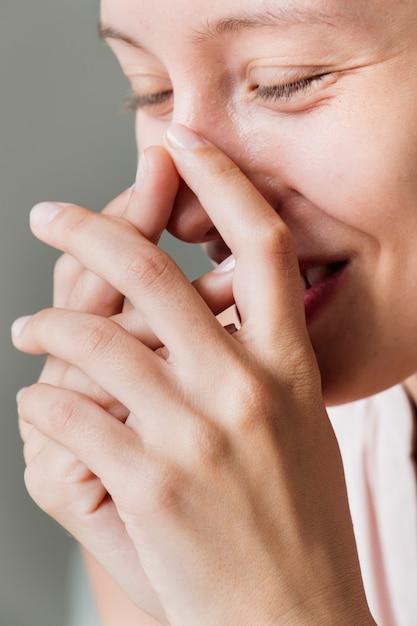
point(316, 101)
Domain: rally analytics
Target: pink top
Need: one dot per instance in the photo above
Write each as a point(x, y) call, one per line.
point(376, 438)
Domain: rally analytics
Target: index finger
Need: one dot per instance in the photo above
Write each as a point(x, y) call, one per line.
point(267, 284)
point(77, 288)
point(147, 205)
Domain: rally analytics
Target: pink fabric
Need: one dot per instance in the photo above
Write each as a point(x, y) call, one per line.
point(376, 441)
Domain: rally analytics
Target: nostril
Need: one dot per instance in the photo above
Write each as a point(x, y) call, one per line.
point(189, 221)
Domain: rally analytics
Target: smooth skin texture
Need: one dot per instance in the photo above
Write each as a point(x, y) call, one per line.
point(238, 443)
point(195, 481)
point(337, 160)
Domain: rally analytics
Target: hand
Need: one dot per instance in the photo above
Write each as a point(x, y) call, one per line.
point(147, 205)
point(76, 288)
point(226, 471)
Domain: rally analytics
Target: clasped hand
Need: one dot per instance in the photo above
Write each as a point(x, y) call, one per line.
point(197, 465)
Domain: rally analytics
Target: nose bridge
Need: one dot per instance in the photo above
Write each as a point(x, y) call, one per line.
point(214, 120)
point(198, 106)
point(202, 107)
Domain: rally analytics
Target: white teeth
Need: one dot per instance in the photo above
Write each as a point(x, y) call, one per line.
point(314, 275)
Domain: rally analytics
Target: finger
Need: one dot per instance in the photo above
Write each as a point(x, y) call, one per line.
point(143, 382)
point(266, 284)
point(67, 489)
point(157, 288)
point(80, 426)
point(33, 440)
point(147, 205)
point(79, 289)
point(76, 380)
point(153, 194)
point(61, 374)
point(105, 352)
point(216, 289)
point(61, 484)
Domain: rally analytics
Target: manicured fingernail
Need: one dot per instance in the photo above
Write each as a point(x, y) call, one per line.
point(143, 167)
point(182, 137)
point(20, 394)
point(226, 266)
point(19, 324)
point(44, 212)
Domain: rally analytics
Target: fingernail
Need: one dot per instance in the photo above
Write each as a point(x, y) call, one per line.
point(227, 265)
point(20, 394)
point(143, 167)
point(182, 137)
point(19, 324)
point(44, 212)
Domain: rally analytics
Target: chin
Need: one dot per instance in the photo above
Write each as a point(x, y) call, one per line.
point(347, 380)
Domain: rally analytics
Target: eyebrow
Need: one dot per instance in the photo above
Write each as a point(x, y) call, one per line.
point(284, 16)
point(236, 24)
point(108, 32)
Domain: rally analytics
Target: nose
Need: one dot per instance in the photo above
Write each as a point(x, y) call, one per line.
point(209, 117)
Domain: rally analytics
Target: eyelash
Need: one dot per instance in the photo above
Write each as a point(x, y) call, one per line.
point(135, 101)
point(275, 92)
point(280, 92)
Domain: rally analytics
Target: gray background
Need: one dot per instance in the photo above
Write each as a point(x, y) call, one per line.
point(62, 137)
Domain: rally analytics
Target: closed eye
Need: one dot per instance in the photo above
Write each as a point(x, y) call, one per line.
point(135, 101)
point(288, 90)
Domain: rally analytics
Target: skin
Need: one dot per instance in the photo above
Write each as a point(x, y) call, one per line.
point(342, 189)
point(339, 194)
point(162, 532)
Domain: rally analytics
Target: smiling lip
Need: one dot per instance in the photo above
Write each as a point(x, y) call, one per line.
point(322, 277)
point(322, 282)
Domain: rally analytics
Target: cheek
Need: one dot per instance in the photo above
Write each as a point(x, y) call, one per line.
point(359, 175)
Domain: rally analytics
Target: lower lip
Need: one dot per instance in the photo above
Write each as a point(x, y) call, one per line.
point(318, 297)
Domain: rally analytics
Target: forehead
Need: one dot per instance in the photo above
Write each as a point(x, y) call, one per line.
point(200, 16)
point(178, 29)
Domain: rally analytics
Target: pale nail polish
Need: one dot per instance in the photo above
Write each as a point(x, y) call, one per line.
point(182, 137)
point(20, 394)
point(44, 212)
point(226, 266)
point(19, 324)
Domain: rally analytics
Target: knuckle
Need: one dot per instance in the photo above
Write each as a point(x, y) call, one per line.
point(64, 415)
point(150, 270)
point(210, 446)
point(53, 488)
point(37, 479)
point(278, 245)
point(254, 405)
point(76, 380)
point(163, 488)
point(104, 399)
point(97, 337)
